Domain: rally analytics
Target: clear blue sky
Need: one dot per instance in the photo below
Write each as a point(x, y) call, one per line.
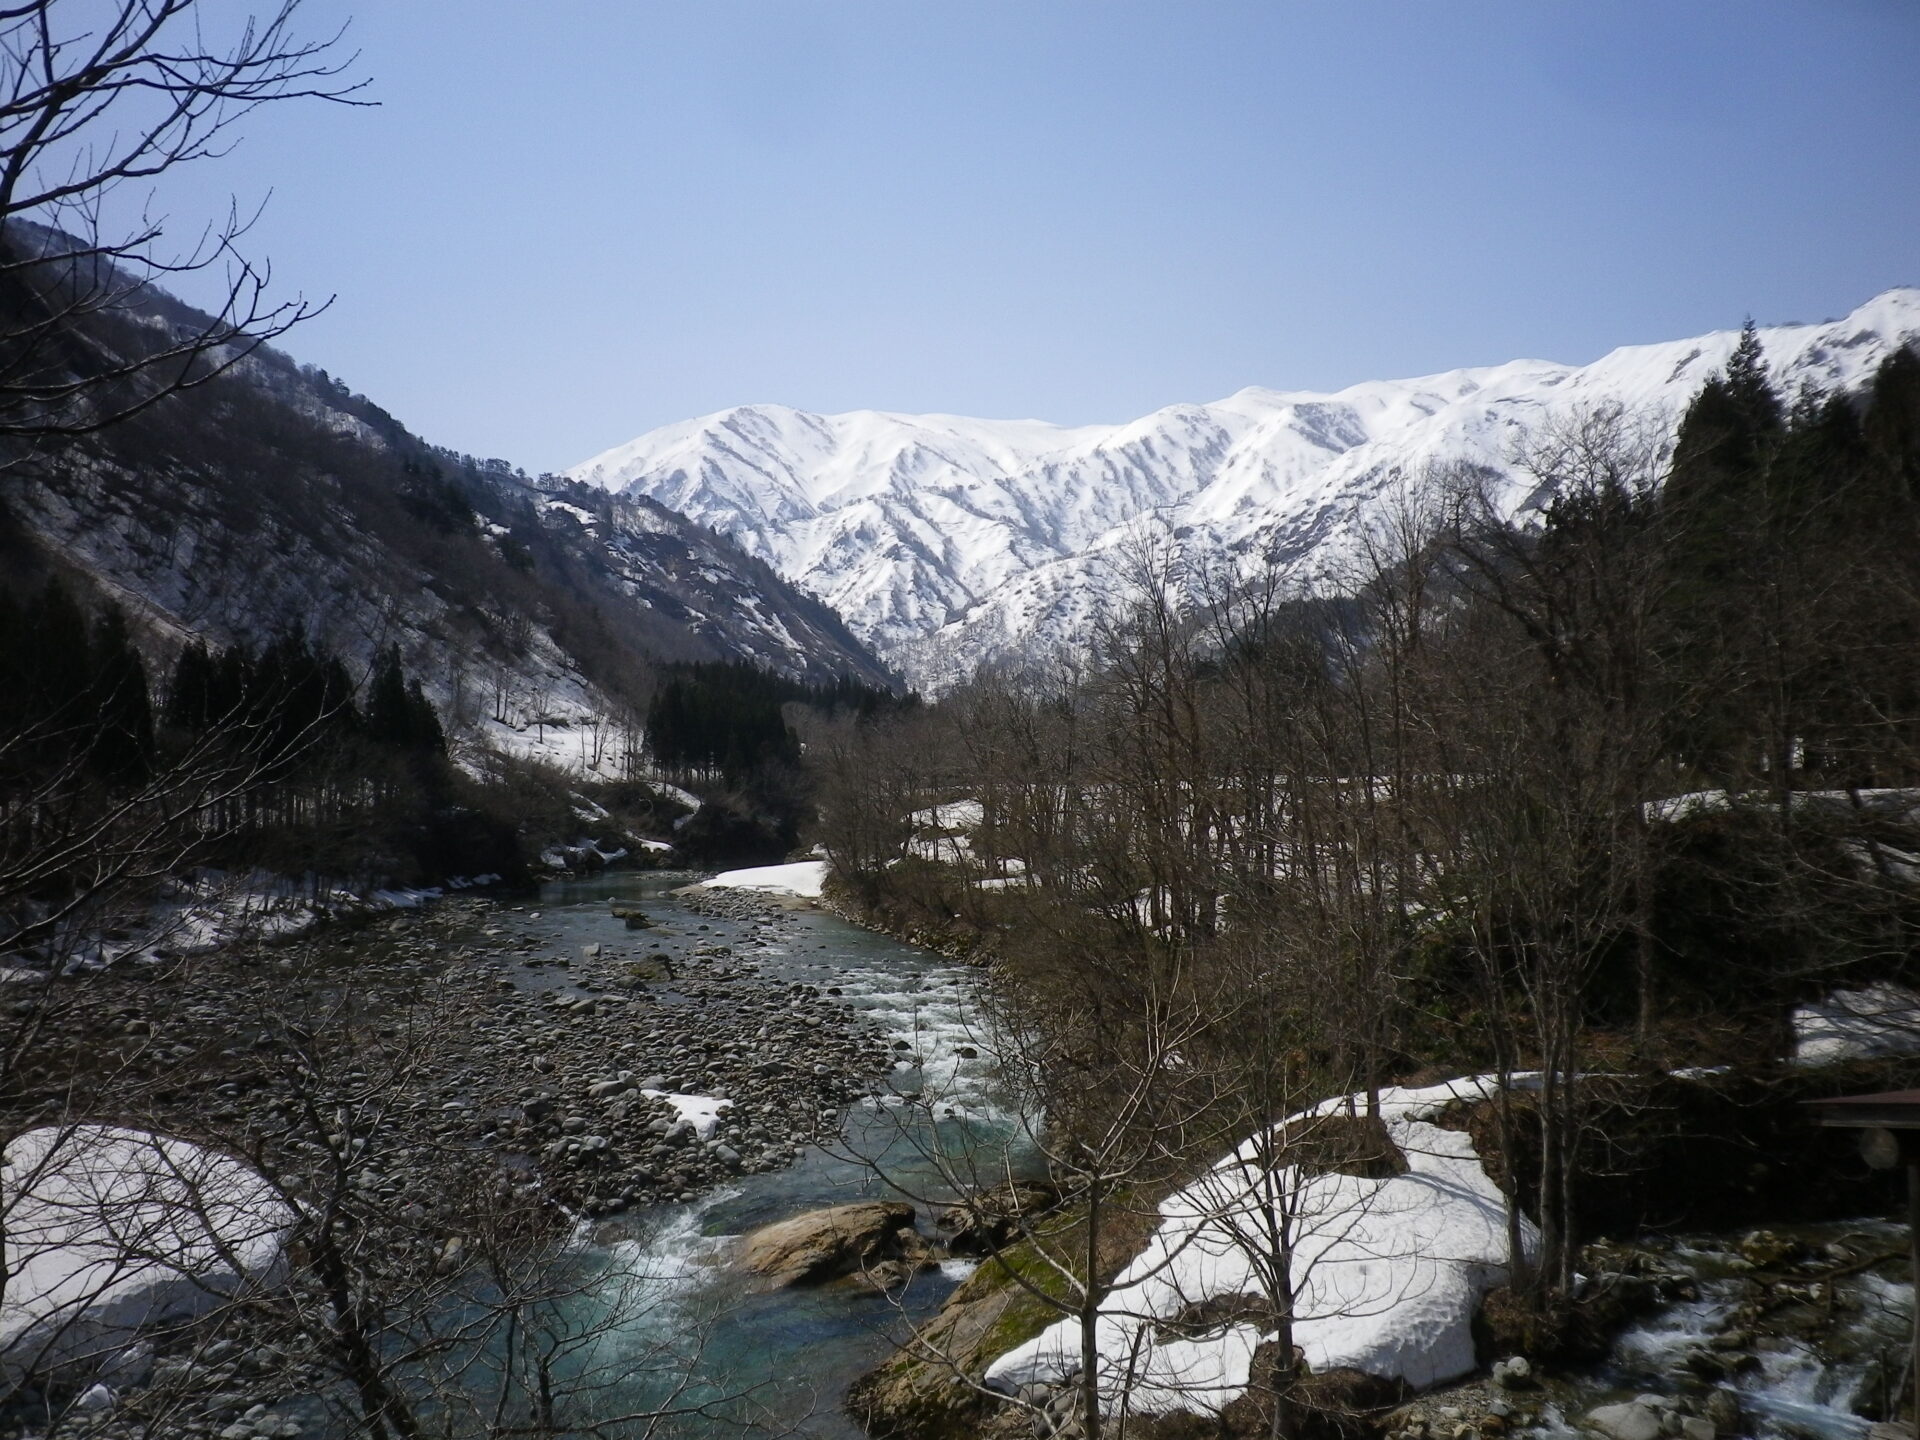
point(571, 221)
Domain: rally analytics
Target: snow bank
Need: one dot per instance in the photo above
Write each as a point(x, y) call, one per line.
point(802, 878)
point(956, 815)
point(676, 794)
point(1386, 1273)
point(212, 909)
point(1883, 1019)
point(99, 1217)
point(943, 849)
point(700, 1111)
point(1897, 803)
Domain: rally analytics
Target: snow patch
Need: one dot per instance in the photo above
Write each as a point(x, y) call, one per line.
point(1882, 1019)
point(1386, 1273)
point(803, 878)
point(97, 1215)
point(700, 1111)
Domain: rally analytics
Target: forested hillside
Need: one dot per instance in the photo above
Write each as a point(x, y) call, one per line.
point(256, 615)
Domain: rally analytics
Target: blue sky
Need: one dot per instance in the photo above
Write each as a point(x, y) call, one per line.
point(567, 223)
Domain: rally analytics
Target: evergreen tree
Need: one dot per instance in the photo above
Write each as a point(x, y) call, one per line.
point(123, 749)
point(56, 661)
point(398, 713)
point(189, 707)
point(230, 696)
point(1721, 519)
point(303, 696)
point(1747, 385)
point(1892, 425)
point(424, 732)
point(389, 712)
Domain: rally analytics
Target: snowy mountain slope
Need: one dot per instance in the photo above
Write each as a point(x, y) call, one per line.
point(947, 541)
point(534, 611)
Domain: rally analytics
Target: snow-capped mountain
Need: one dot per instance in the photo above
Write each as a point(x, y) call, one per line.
point(948, 541)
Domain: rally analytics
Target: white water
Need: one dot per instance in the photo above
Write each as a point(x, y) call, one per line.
point(1812, 1379)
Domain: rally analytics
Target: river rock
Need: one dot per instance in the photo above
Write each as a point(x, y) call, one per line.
point(1722, 1410)
point(914, 1395)
point(841, 1240)
point(1766, 1250)
point(1628, 1421)
point(1513, 1373)
point(989, 1219)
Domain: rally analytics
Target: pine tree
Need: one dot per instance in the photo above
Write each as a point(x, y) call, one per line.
point(123, 749)
point(424, 733)
point(1748, 386)
point(56, 660)
point(1720, 511)
point(1892, 424)
point(389, 715)
point(190, 692)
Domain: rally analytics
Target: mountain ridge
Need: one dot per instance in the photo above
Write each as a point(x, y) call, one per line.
point(948, 541)
point(535, 611)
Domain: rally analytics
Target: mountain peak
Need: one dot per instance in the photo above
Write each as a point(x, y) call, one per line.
point(947, 540)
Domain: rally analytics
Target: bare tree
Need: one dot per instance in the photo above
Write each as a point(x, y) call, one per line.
point(95, 99)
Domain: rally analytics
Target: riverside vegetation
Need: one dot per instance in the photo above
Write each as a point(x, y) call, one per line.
point(1522, 797)
point(1599, 790)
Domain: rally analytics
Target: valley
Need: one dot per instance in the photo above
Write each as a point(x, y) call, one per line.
point(1248, 924)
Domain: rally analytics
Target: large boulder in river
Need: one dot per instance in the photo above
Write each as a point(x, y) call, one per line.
point(875, 1240)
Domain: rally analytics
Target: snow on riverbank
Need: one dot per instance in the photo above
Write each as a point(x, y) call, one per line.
point(1386, 1273)
point(210, 910)
point(97, 1215)
point(803, 878)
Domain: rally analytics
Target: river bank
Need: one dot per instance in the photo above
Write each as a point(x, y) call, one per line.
point(583, 1061)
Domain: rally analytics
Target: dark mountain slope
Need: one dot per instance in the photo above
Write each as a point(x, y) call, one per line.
point(271, 499)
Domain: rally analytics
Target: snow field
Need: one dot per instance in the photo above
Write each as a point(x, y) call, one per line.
point(1003, 530)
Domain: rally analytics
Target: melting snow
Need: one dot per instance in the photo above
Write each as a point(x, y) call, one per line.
point(1386, 1273)
point(1883, 1019)
point(96, 1214)
point(700, 1111)
point(803, 878)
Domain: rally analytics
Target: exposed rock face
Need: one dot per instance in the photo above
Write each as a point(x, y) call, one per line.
point(1628, 1421)
point(876, 1241)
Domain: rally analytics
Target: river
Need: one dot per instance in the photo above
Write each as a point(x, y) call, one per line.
point(663, 1292)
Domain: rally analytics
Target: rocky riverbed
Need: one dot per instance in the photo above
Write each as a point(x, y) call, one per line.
point(584, 1069)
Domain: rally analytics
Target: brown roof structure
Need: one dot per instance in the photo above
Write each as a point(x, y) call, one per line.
point(1887, 1110)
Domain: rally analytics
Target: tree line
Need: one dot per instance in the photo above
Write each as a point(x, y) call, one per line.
point(726, 720)
point(277, 755)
